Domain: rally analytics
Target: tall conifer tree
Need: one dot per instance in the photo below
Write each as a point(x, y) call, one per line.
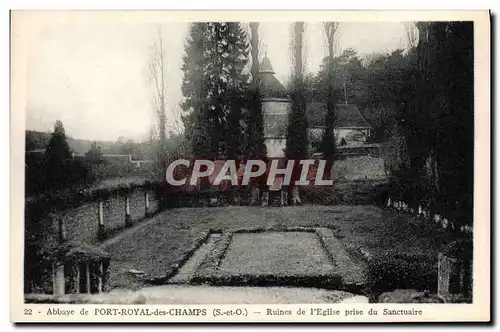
point(256, 147)
point(297, 137)
point(214, 87)
point(328, 139)
point(56, 159)
point(193, 89)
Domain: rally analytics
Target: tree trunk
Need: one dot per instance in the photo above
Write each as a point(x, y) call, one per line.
point(296, 143)
point(255, 145)
point(329, 137)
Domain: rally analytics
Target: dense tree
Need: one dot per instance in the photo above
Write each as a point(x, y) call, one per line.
point(57, 159)
point(378, 87)
point(256, 147)
point(347, 74)
point(438, 120)
point(419, 102)
point(297, 125)
point(94, 155)
point(297, 137)
point(158, 72)
point(328, 140)
point(195, 117)
point(214, 87)
point(94, 160)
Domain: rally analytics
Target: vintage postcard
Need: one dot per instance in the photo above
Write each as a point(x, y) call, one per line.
point(258, 166)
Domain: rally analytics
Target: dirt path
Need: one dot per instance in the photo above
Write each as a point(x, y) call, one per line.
point(127, 232)
point(182, 294)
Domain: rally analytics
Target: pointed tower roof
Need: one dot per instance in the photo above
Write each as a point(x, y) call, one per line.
point(271, 87)
point(265, 66)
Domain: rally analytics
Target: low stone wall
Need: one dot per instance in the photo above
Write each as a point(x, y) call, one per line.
point(80, 218)
point(359, 168)
point(372, 150)
point(83, 223)
point(341, 193)
point(109, 211)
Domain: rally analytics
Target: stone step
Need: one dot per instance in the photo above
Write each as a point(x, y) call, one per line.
point(352, 273)
point(186, 272)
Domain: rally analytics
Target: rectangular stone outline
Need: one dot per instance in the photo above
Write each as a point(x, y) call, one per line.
point(208, 272)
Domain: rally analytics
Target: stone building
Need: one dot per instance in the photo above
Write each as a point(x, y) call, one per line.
point(351, 129)
point(276, 106)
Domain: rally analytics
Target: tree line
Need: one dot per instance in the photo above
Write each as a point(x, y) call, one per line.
point(222, 111)
point(55, 169)
point(436, 120)
point(55, 162)
point(419, 102)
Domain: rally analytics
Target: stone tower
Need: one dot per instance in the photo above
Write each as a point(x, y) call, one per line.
point(276, 106)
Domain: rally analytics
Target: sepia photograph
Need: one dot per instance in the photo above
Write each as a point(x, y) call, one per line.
point(232, 160)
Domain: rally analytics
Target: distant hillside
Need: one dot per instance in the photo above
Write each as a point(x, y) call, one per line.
point(36, 140)
point(39, 140)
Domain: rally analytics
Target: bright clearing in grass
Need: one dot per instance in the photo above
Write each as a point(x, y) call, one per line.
point(276, 253)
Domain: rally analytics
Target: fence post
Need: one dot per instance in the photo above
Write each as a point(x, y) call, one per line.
point(146, 204)
point(87, 276)
point(62, 230)
point(455, 269)
point(265, 198)
point(448, 271)
point(74, 279)
point(283, 198)
point(101, 232)
point(255, 193)
point(128, 218)
point(105, 274)
point(58, 279)
point(100, 272)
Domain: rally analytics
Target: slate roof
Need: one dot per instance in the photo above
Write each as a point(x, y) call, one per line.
point(265, 66)
point(270, 86)
point(346, 116)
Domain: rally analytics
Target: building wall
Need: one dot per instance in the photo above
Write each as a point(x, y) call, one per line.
point(353, 137)
point(81, 223)
point(275, 114)
point(275, 147)
point(276, 105)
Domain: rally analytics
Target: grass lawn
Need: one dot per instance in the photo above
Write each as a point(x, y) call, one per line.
point(263, 254)
point(160, 245)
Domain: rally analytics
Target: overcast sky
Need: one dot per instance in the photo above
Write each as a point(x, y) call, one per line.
point(94, 77)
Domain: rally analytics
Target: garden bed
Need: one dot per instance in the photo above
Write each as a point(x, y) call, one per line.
point(389, 238)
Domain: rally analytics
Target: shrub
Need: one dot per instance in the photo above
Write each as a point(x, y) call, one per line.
point(391, 271)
